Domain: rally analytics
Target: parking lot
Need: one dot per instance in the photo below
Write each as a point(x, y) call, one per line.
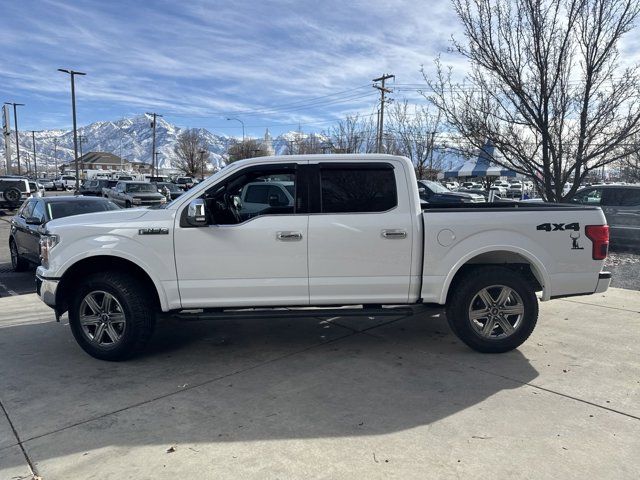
point(392, 397)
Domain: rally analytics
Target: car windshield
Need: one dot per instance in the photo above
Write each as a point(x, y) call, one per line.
point(170, 186)
point(184, 180)
point(141, 188)
point(78, 206)
point(435, 187)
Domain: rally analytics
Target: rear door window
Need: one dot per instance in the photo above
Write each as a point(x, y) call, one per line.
point(631, 197)
point(364, 188)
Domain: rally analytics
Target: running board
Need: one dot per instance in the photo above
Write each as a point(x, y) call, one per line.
point(249, 314)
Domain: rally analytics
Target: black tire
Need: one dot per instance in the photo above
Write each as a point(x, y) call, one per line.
point(139, 314)
point(499, 340)
point(127, 204)
point(12, 197)
point(18, 263)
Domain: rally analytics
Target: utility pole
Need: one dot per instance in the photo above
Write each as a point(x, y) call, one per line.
point(153, 145)
point(383, 90)
point(202, 152)
point(55, 153)
point(81, 139)
point(72, 74)
point(155, 158)
point(15, 123)
point(35, 160)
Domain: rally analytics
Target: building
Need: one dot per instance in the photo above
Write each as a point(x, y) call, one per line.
point(99, 161)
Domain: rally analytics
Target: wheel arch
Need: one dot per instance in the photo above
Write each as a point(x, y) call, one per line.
point(101, 263)
point(508, 256)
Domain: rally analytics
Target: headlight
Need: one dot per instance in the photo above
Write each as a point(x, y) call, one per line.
point(47, 242)
point(137, 201)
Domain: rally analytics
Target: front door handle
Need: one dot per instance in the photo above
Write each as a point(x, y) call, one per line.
point(393, 234)
point(289, 236)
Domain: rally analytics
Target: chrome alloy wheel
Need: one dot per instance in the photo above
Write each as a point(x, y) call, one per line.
point(102, 319)
point(496, 312)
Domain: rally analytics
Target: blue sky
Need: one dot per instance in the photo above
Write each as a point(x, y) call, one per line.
point(198, 62)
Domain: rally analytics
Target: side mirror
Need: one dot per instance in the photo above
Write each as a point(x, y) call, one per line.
point(34, 221)
point(422, 190)
point(196, 213)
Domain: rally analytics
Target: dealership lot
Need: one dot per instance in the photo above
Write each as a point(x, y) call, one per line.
point(311, 398)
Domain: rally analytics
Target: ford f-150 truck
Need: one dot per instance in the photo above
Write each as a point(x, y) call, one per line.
point(355, 236)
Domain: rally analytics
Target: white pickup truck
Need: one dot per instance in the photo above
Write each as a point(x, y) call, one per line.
point(357, 235)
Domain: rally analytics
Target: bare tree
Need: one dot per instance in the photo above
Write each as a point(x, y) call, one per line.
point(352, 135)
point(545, 86)
point(248, 148)
point(414, 135)
point(192, 152)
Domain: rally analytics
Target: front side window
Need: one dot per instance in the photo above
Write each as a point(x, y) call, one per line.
point(38, 211)
point(357, 190)
point(255, 192)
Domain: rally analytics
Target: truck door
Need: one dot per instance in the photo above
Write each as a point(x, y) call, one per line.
point(360, 233)
point(245, 257)
point(622, 209)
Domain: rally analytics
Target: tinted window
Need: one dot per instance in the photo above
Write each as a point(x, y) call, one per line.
point(78, 207)
point(142, 188)
point(631, 197)
point(357, 190)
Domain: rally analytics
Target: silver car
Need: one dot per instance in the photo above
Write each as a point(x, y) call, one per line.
point(621, 206)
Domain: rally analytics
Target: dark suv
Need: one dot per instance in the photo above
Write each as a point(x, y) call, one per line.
point(621, 206)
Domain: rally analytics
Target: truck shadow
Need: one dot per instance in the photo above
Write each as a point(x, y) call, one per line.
point(230, 381)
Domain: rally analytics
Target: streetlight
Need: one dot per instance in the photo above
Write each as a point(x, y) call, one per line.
point(238, 120)
point(72, 74)
point(15, 122)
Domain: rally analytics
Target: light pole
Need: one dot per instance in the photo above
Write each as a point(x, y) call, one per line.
point(238, 120)
point(153, 145)
point(72, 74)
point(35, 159)
point(15, 123)
point(202, 152)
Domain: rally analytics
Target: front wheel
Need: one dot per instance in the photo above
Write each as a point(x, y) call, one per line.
point(111, 316)
point(493, 309)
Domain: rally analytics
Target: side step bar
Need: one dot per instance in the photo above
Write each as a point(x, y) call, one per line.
point(306, 312)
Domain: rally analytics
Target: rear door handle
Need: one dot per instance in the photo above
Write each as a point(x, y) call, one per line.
point(289, 236)
point(394, 234)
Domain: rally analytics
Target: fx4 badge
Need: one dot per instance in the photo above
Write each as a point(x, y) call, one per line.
point(574, 231)
point(153, 231)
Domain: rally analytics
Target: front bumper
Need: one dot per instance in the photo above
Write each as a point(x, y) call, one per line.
point(604, 280)
point(46, 289)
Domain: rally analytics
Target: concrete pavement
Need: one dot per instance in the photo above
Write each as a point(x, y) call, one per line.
point(311, 398)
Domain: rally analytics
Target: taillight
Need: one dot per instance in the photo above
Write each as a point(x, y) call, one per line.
point(599, 236)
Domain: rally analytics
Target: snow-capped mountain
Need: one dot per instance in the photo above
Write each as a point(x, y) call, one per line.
point(129, 138)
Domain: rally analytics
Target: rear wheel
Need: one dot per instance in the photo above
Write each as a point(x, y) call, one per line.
point(12, 197)
point(493, 309)
point(18, 263)
point(111, 316)
point(127, 204)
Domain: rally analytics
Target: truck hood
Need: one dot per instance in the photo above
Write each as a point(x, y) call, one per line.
point(98, 218)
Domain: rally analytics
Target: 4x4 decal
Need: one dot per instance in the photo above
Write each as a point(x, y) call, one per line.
point(558, 227)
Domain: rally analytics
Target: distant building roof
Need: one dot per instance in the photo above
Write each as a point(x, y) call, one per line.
point(100, 158)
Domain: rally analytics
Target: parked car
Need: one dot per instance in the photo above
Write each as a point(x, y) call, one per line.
point(47, 183)
point(500, 190)
point(29, 224)
point(621, 207)
point(94, 187)
point(37, 190)
point(160, 179)
point(434, 193)
point(516, 190)
point(355, 236)
point(135, 194)
point(184, 183)
point(65, 182)
point(110, 185)
point(170, 190)
point(13, 191)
